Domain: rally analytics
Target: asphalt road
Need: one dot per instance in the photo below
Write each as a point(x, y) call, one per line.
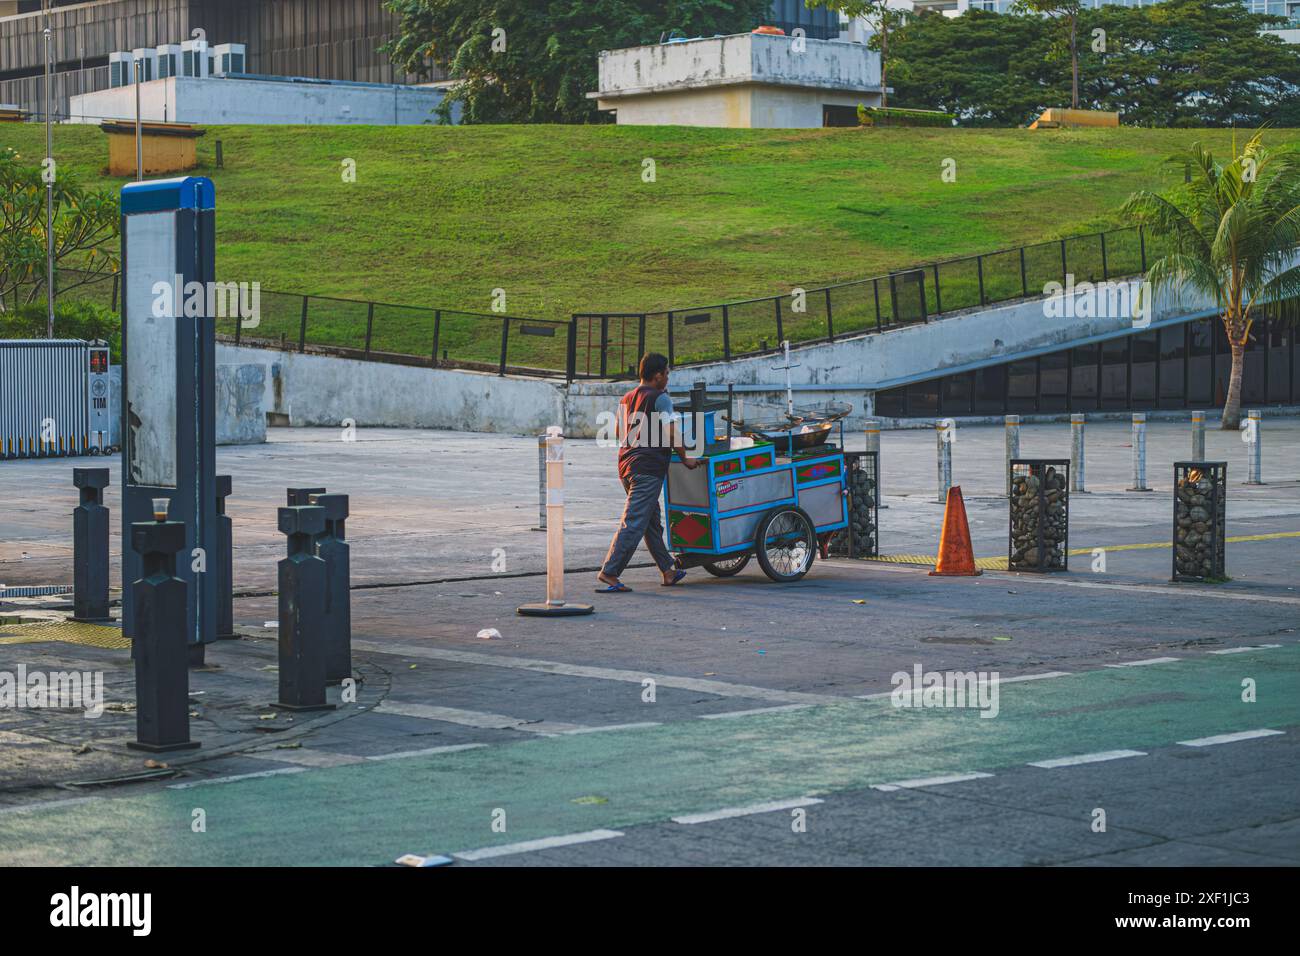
point(718, 722)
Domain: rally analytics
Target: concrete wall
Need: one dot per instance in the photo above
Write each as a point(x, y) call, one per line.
point(726, 106)
point(741, 58)
point(228, 100)
point(241, 418)
point(319, 390)
point(746, 80)
point(882, 360)
point(738, 107)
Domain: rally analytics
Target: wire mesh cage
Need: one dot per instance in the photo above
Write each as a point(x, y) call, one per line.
point(1200, 502)
point(861, 539)
point(1039, 530)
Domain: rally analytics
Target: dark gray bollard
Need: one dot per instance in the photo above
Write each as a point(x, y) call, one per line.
point(302, 612)
point(298, 497)
point(333, 550)
point(225, 564)
point(90, 546)
point(162, 709)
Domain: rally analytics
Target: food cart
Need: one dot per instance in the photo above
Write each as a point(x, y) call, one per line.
point(751, 497)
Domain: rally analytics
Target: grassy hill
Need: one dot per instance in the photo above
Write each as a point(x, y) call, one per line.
point(560, 218)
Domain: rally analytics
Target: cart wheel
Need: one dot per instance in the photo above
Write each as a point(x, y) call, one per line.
point(726, 567)
point(786, 544)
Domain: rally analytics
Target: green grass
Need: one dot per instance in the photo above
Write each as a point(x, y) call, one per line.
point(560, 218)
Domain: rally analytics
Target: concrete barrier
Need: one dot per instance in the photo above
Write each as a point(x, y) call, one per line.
point(241, 412)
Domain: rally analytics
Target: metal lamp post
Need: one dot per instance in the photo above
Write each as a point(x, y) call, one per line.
point(49, 179)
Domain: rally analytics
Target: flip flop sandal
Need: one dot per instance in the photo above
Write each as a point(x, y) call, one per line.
point(614, 589)
point(676, 577)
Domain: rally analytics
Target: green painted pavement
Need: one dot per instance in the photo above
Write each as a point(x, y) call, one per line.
point(370, 813)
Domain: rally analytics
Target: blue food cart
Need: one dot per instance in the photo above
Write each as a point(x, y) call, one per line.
point(773, 500)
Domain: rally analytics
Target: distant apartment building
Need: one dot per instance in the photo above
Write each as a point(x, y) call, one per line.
point(321, 39)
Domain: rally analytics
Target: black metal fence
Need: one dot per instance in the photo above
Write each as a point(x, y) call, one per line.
point(403, 333)
point(609, 343)
point(369, 330)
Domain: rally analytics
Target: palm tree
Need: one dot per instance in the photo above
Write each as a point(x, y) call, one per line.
point(1232, 230)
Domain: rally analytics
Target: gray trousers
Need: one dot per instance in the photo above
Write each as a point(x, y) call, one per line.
point(641, 521)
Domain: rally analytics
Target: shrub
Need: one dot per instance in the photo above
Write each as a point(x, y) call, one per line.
point(73, 319)
point(893, 116)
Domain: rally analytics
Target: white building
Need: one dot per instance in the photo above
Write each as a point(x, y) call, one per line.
point(250, 99)
point(747, 80)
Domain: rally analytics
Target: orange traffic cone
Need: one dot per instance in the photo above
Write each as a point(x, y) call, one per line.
point(956, 556)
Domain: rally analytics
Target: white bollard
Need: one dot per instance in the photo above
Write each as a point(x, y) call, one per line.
point(555, 605)
point(871, 432)
point(1139, 452)
point(1254, 439)
point(541, 483)
point(944, 432)
point(1077, 420)
point(1198, 436)
point(1013, 446)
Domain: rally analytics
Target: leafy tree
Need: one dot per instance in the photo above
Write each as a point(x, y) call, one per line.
point(1191, 63)
point(1068, 12)
point(989, 69)
point(85, 227)
point(534, 61)
point(881, 17)
point(1179, 63)
point(1233, 231)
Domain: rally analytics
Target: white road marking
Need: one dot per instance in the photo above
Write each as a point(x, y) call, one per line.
point(1150, 660)
point(1025, 677)
point(47, 805)
point(1243, 650)
point(426, 752)
point(307, 757)
point(597, 730)
point(929, 781)
point(757, 710)
point(727, 813)
point(1000, 680)
point(474, 718)
point(239, 776)
point(529, 846)
point(1086, 758)
point(1170, 591)
point(698, 685)
point(1229, 738)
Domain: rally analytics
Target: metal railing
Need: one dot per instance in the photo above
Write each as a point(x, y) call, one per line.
point(605, 341)
point(382, 331)
point(403, 333)
point(609, 344)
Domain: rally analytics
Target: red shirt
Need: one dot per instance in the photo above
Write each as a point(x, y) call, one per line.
point(643, 438)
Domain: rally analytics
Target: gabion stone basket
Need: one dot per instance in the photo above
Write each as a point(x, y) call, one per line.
point(861, 539)
point(1200, 502)
point(1039, 533)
